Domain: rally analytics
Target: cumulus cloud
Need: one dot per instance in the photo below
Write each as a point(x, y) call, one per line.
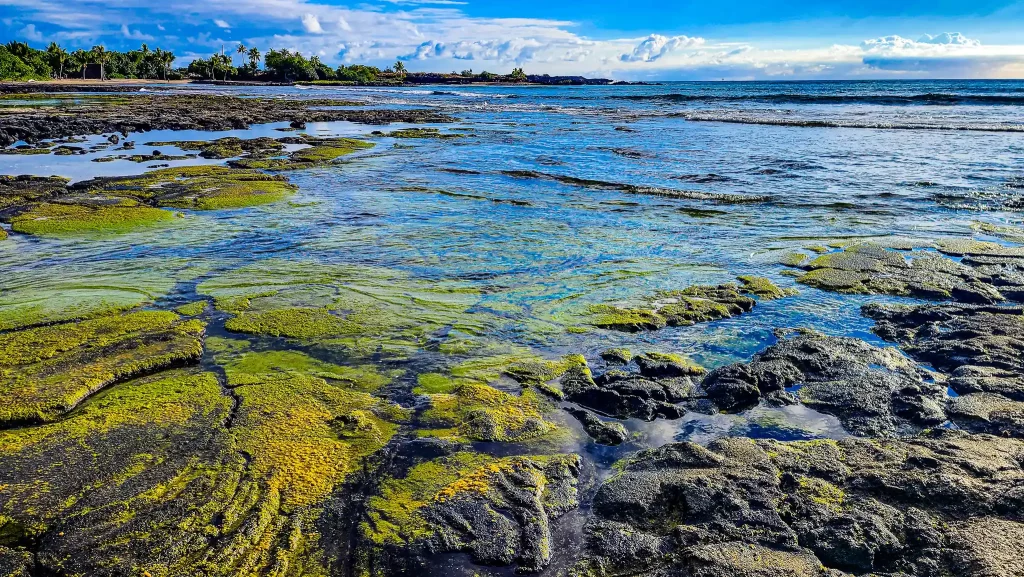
point(655, 46)
point(29, 32)
point(135, 34)
point(311, 24)
point(441, 35)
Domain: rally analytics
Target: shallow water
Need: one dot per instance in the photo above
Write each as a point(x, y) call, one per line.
point(531, 254)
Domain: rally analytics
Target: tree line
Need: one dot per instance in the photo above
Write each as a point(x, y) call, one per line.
point(19, 61)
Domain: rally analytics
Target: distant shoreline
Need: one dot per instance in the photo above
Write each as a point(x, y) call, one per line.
point(132, 84)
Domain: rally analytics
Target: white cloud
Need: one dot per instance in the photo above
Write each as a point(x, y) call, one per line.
point(440, 35)
point(135, 34)
point(311, 24)
point(655, 46)
point(29, 32)
point(160, 27)
point(954, 38)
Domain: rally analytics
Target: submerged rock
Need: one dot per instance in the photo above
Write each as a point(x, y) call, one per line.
point(745, 507)
point(695, 304)
point(873, 391)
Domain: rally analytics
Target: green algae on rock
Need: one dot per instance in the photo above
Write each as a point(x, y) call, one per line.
point(57, 219)
point(480, 412)
point(321, 151)
point(763, 288)
point(692, 305)
point(498, 510)
point(873, 269)
point(47, 371)
point(194, 187)
point(419, 133)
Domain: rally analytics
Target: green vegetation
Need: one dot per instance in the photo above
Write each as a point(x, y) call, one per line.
point(19, 61)
point(55, 219)
point(695, 304)
point(322, 151)
point(47, 371)
point(196, 187)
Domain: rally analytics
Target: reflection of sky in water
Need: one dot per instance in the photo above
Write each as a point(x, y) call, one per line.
point(795, 422)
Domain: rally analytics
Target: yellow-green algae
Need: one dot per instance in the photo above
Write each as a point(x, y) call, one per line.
point(56, 219)
point(366, 310)
point(192, 309)
point(322, 151)
point(46, 371)
point(395, 516)
point(479, 412)
point(196, 187)
point(763, 288)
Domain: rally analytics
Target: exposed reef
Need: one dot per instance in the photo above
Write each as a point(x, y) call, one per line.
point(943, 503)
point(695, 304)
point(873, 391)
point(875, 269)
point(127, 114)
point(981, 349)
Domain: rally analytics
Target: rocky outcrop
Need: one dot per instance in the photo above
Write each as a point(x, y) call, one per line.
point(925, 506)
point(980, 347)
point(625, 395)
point(873, 391)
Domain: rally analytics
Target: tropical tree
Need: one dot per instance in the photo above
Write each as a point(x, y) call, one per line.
point(81, 58)
point(254, 57)
point(101, 57)
point(58, 56)
point(399, 67)
point(167, 60)
point(518, 75)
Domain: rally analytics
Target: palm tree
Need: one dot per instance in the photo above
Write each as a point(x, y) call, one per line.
point(59, 56)
point(165, 58)
point(399, 67)
point(254, 57)
point(80, 58)
point(102, 56)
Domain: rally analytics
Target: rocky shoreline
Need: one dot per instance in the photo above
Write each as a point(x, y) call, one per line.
point(277, 423)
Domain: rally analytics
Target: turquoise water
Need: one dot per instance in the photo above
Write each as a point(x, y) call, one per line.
point(531, 254)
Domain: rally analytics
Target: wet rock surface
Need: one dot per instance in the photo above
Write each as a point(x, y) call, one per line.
point(873, 269)
point(873, 391)
point(140, 113)
point(921, 506)
point(620, 394)
point(979, 347)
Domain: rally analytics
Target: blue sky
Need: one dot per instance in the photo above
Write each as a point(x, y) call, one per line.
point(641, 39)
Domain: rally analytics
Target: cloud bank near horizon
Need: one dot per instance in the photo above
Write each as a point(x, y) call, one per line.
point(441, 35)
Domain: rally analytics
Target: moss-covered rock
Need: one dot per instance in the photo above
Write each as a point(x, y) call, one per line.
point(195, 187)
point(56, 219)
point(479, 412)
point(47, 371)
point(496, 509)
point(321, 151)
point(873, 269)
point(692, 305)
